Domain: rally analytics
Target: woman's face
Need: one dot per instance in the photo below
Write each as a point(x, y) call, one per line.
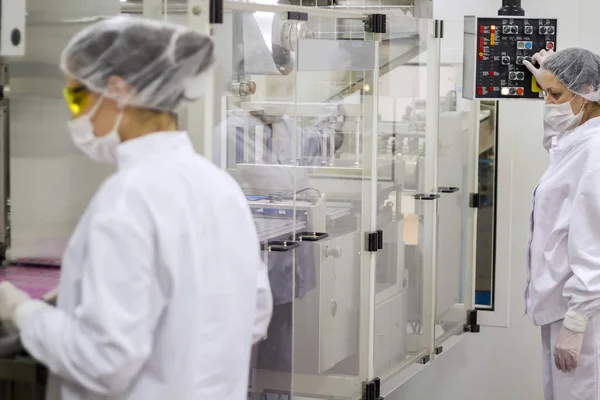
point(557, 93)
point(106, 115)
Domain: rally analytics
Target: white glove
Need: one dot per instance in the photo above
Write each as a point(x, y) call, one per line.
point(10, 299)
point(568, 347)
point(537, 58)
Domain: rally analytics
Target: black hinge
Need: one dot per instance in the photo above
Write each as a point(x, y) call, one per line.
point(216, 11)
point(472, 325)
point(427, 196)
point(377, 23)
point(438, 30)
point(439, 350)
point(374, 241)
point(297, 16)
point(475, 201)
point(425, 360)
point(373, 390)
point(448, 189)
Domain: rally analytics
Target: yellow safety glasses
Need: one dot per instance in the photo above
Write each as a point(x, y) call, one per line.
point(77, 99)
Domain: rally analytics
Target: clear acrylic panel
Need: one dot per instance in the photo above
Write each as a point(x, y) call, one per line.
point(403, 332)
point(253, 141)
point(294, 118)
point(335, 114)
point(456, 130)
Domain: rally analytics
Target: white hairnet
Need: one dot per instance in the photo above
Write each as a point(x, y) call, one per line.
point(577, 69)
point(164, 65)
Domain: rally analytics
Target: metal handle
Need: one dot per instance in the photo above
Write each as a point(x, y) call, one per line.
point(448, 189)
point(310, 236)
point(427, 196)
point(279, 245)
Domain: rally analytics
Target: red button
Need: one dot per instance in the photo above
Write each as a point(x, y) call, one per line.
point(520, 91)
point(491, 88)
point(480, 90)
point(492, 73)
point(481, 29)
point(549, 45)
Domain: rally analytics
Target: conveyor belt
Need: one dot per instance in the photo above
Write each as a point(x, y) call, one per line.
point(270, 228)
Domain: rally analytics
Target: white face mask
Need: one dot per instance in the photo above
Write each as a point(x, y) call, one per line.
point(98, 148)
point(559, 118)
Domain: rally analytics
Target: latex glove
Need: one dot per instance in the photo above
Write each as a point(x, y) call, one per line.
point(568, 347)
point(10, 299)
point(537, 58)
point(51, 296)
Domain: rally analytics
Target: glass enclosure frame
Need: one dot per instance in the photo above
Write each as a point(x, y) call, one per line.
point(372, 177)
point(205, 115)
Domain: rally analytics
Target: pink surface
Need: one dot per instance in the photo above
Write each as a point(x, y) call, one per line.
point(36, 281)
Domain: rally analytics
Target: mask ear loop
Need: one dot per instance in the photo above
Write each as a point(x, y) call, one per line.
point(118, 123)
point(95, 108)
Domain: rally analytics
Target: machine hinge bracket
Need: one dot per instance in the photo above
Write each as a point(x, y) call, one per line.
point(372, 390)
point(297, 16)
point(475, 200)
point(472, 325)
point(216, 11)
point(374, 241)
point(425, 360)
point(377, 23)
point(439, 350)
point(438, 29)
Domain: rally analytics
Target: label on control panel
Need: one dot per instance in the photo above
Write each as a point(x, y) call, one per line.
point(502, 45)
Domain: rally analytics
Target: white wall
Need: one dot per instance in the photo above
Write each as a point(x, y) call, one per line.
point(504, 363)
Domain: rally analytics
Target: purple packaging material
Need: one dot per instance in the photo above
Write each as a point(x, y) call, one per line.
point(35, 281)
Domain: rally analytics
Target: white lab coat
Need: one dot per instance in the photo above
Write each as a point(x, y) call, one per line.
point(563, 268)
point(563, 260)
point(163, 290)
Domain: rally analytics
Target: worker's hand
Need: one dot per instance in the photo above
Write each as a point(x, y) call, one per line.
point(537, 58)
point(10, 299)
point(51, 296)
point(568, 347)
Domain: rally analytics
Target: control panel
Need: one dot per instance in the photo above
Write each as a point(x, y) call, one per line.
point(495, 49)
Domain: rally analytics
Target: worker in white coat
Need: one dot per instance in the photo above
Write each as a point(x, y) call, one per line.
point(563, 264)
point(163, 291)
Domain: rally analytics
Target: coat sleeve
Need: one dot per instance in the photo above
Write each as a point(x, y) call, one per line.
point(264, 305)
point(582, 290)
point(103, 345)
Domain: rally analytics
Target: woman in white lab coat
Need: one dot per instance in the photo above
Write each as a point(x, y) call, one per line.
point(563, 263)
point(163, 291)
